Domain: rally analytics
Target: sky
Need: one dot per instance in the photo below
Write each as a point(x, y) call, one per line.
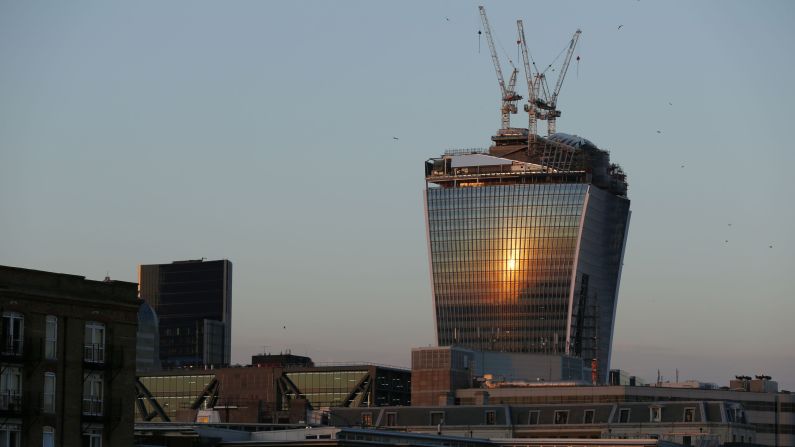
point(264, 132)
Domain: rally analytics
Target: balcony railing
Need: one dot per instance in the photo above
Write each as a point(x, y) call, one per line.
point(92, 406)
point(10, 400)
point(12, 345)
point(94, 353)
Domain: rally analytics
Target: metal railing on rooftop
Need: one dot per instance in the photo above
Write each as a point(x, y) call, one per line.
point(464, 151)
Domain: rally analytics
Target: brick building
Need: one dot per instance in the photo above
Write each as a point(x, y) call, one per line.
point(67, 363)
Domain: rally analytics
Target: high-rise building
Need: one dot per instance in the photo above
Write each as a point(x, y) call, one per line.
point(526, 244)
point(193, 301)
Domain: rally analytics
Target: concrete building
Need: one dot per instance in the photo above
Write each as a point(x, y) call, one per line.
point(526, 246)
point(67, 366)
point(698, 423)
point(769, 413)
point(182, 435)
point(193, 301)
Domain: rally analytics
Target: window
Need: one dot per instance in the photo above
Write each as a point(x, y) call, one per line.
point(92, 438)
point(686, 440)
point(391, 419)
point(689, 414)
point(588, 417)
point(48, 437)
point(437, 417)
point(561, 417)
point(95, 342)
point(13, 325)
point(367, 419)
point(655, 414)
point(532, 419)
point(623, 416)
point(10, 389)
point(51, 338)
point(491, 417)
point(9, 436)
point(92, 394)
point(48, 406)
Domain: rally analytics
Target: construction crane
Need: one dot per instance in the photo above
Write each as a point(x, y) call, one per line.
point(509, 96)
point(550, 102)
point(533, 84)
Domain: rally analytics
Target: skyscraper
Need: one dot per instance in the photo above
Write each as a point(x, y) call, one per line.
point(526, 244)
point(193, 300)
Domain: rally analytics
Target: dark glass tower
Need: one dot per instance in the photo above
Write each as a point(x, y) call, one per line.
point(193, 300)
point(526, 245)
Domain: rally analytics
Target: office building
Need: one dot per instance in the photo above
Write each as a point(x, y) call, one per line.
point(67, 363)
point(193, 302)
point(526, 245)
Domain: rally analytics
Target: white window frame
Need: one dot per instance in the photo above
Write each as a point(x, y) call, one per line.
point(47, 432)
point(530, 417)
point(51, 337)
point(655, 413)
point(561, 412)
point(628, 413)
point(585, 414)
point(684, 414)
point(48, 397)
point(10, 388)
point(13, 341)
point(5, 435)
point(93, 393)
point(94, 351)
point(94, 438)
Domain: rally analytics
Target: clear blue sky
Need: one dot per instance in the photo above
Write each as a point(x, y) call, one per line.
point(262, 132)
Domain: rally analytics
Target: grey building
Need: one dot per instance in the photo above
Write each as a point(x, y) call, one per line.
point(697, 423)
point(193, 301)
point(526, 244)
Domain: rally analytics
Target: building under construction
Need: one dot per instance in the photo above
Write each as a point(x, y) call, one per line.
point(527, 238)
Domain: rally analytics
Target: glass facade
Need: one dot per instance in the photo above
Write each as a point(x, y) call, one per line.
point(173, 393)
point(502, 259)
point(329, 388)
point(189, 296)
point(371, 386)
point(526, 258)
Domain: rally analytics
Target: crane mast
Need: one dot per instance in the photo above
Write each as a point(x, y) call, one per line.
point(553, 100)
point(532, 85)
point(509, 96)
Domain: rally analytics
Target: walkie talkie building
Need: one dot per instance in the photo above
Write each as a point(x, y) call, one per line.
point(526, 244)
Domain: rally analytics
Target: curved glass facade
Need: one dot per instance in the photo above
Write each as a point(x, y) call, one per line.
point(502, 260)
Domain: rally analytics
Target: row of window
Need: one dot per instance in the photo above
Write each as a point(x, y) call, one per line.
point(10, 437)
point(560, 417)
point(13, 329)
point(11, 391)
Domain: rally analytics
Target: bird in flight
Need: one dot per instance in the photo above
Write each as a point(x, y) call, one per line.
point(619, 26)
point(395, 138)
point(659, 131)
point(670, 103)
point(447, 18)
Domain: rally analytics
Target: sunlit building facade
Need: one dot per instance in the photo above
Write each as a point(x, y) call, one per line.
point(526, 247)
